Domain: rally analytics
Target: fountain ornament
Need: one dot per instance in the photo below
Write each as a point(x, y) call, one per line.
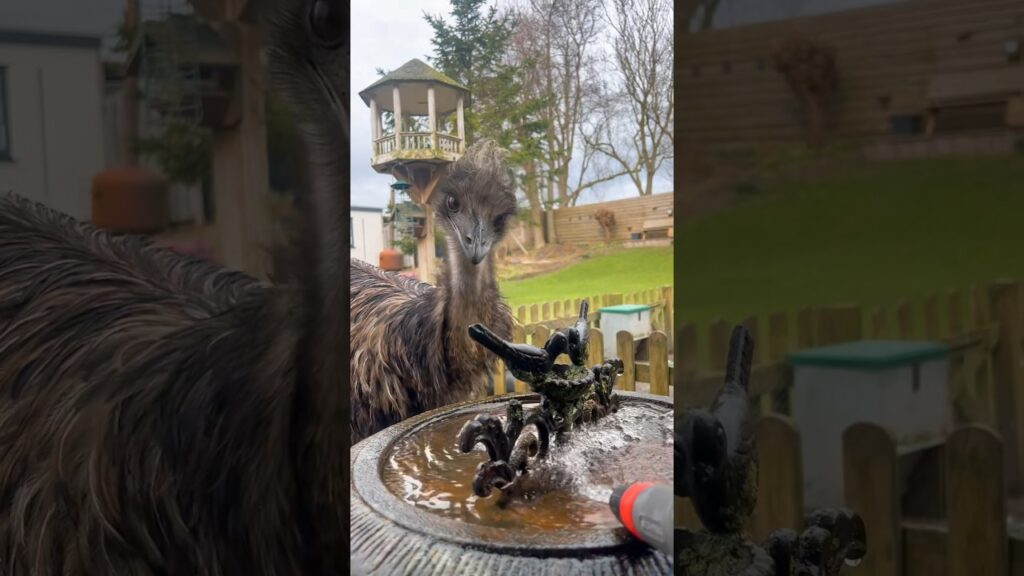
point(570, 394)
point(419, 500)
point(716, 468)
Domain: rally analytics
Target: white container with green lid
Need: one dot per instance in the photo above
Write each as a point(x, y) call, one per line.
point(633, 318)
point(902, 386)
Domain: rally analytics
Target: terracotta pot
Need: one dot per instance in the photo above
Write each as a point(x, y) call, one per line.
point(129, 199)
point(390, 536)
point(390, 259)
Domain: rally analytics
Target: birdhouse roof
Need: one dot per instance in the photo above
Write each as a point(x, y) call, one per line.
point(414, 70)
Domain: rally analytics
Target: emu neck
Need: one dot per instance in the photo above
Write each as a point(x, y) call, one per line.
point(471, 293)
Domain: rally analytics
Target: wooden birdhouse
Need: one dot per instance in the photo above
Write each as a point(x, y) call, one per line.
point(417, 127)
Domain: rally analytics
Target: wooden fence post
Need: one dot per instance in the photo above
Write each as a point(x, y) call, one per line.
point(624, 347)
point(541, 333)
point(975, 503)
point(519, 335)
point(534, 314)
point(905, 320)
point(956, 312)
point(778, 346)
point(668, 295)
point(687, 355)
point(718, 345)
point(595, 347)
point(932, 328)
point(780, 493)
point(545, 311)
point(499, 378)
point(1006, 308)
point(659, 363)
point(837, 324)
point(872, 489)
point(805, 329)
point(764, 402)
point(878, 328)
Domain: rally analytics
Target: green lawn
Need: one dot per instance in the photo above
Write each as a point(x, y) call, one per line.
point(628, 270)
point(873, 236)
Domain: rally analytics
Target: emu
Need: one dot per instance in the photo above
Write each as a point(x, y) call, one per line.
point(411, 349)
point(160, 415)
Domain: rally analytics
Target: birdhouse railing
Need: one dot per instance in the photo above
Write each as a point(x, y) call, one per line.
point(418, 141)
point(449, 143)
point(384, 145)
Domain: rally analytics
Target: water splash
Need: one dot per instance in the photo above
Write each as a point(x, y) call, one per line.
point(570, 489)
point(621, 448)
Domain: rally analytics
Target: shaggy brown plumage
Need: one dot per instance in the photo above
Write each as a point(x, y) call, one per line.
point(160, 415)
point(411, 350)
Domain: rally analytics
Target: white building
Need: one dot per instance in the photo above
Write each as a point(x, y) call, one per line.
point(51, 123)
point(367, 234)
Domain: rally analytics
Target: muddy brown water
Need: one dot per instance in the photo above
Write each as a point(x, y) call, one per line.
point(570, 489)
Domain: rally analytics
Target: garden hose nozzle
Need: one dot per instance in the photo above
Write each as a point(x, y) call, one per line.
point(645, 509)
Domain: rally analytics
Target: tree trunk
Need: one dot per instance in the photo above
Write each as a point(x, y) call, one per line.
point(536, 213)
point(563, 187)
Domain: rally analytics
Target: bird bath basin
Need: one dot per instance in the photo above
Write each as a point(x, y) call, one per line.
point(414, 510)
point(518, 484)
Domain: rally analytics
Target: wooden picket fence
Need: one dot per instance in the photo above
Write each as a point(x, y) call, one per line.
point(938, 510)
point(956, 525)
point(978, 325)
point(557, 314)
point(534, 324)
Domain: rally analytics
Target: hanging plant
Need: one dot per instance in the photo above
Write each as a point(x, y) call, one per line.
point(407, 245)
point(183, 151)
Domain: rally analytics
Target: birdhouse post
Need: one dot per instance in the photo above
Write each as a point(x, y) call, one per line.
point(414, 111)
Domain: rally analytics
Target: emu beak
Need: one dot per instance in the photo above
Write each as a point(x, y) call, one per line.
point(479, 253)
point(476, 243)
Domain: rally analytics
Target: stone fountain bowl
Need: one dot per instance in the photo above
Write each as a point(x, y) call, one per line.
point(392, 536)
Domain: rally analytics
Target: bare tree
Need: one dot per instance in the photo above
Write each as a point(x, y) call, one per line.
point(567, 33)
point(633, 126)
point(528, 56)
point(809, 67)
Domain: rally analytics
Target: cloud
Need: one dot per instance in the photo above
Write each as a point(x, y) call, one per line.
point(385, 34)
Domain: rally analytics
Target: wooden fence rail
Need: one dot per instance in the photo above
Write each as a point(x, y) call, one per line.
point(970, 537)
point(655, 372)
point(556, 314)
point(534, 324)
point(983, 328)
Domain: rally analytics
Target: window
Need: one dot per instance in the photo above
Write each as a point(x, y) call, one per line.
point(351, 232)
point(5, 133)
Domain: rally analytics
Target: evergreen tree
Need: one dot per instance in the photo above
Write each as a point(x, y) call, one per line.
point(475, 50)
point(471, 50)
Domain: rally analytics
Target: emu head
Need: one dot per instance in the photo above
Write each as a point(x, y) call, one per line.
point(474, 203)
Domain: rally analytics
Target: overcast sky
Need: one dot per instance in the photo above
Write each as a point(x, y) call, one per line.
point(387, 34)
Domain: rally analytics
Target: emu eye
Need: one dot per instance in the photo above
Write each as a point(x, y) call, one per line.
point(328, 22)
point(452, 204)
